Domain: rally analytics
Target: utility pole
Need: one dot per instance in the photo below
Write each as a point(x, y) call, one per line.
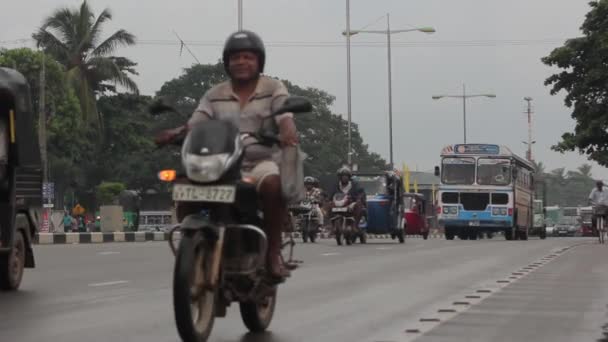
point(46, 221)
point(390, 92)
point(42, 121)
point(530, 142)
point(348, 89)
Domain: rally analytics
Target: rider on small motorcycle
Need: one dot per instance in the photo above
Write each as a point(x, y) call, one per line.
point(314, 196)
point(254, 96)
point(349, 187)
point(598, 198)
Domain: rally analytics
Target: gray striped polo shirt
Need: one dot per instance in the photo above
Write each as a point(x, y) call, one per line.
point(221, 103)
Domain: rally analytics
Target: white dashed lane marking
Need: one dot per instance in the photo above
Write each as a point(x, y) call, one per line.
point(109, 283)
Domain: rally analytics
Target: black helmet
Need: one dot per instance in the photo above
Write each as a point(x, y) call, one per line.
point(244, 41)
point(344, 171)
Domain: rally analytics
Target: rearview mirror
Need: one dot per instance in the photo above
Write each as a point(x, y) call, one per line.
point(159, 106)
point(437, 171)
point(294, 104)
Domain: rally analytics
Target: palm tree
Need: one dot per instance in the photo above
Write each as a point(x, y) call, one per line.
point(585, 170)
point(73, 38)
point(539, 169)
point(558, 175)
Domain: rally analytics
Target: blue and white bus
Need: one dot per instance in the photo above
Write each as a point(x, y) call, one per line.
point(484, 188)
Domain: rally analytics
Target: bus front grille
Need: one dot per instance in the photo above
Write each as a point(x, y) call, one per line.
point(474, 201)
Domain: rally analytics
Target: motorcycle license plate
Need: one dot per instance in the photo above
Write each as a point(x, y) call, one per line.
point(339, 210)
point(198, 193)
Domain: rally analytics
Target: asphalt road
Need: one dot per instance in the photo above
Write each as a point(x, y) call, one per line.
point(122, 292)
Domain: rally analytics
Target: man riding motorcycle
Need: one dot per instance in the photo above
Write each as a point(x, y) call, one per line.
point(349, 187)
point(314, 195)
point(255, 97)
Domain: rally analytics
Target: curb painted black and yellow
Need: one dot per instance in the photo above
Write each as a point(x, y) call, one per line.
point(107, 237)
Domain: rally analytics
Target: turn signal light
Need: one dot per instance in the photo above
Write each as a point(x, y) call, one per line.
point(167, 175)
point(510, 211)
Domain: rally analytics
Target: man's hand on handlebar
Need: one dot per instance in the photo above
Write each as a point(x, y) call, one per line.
point(167, 136)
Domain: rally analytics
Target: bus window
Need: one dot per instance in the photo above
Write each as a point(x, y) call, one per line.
point(492, 171)
point(458, 171)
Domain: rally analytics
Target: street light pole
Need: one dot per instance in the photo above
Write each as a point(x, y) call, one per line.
point(464, 111)
point(348, 80)
point(388, 32)
point(390, 91)
point(240, 10)
point(529, 112)
point(464, 98)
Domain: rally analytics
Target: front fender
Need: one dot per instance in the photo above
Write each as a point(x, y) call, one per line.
point(195, 222)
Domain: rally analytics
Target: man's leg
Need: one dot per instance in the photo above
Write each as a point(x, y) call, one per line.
point(320, 218)
point(357, 213)
point(274, 207)
point(275, 211)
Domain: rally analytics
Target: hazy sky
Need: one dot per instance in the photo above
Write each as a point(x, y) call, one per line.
point(492, 46)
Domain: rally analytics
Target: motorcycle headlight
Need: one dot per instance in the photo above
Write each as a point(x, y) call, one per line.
point(208, 168)
point(205, 168)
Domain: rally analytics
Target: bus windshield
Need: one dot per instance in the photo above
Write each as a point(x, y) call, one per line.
point(372, 185)
point(491, 171)
point(459, 171)
point(538, 207)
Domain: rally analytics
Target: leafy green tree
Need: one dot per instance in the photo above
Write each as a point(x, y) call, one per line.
point(29, 63)
point(128, 154)
point(70, 143)
point(567, 188)
point(73, 38)
point(584, 74)
point(108, 192)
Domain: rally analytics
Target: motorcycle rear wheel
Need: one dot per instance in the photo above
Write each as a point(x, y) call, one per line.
point(193, 305)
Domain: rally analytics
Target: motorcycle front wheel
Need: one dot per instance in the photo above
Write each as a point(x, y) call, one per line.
point(257, 316)
point(193, 304)
point(338, 231)
point(305, 230)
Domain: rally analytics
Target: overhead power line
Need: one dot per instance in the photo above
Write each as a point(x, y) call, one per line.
point(340, 44)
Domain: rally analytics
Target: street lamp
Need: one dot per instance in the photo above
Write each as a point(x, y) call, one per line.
point(464, 98)
point(388, 32)
point(240, 11)
point(348, 97)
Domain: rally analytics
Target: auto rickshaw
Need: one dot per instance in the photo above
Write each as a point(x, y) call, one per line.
point(415, 215)
point(20, 179)
point(384, 214)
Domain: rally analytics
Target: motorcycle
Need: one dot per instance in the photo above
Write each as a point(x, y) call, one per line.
point(343, 221)
point(306, 220)
point(221, 257)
